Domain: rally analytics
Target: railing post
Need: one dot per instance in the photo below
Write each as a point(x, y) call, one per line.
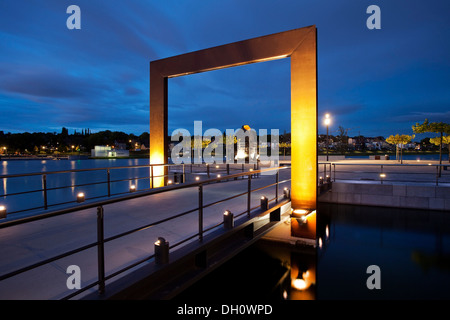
point(249, 194)
point(437, 176)
point(381, 178)
point(207, 170)
point(44, 187)
point(200, 212)
point(151, 177)
point(277, 180)
point(334, 172)
point(184, 174)
point(108, 175)
point(100, 251)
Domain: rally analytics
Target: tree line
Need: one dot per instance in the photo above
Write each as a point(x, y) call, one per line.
point(63, 142)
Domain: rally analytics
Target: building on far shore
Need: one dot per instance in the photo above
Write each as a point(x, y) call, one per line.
point(108, 152)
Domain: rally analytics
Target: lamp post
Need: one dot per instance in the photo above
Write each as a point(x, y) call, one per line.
point(327, 122)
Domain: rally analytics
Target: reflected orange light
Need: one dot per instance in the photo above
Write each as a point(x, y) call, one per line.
point(299, 284)
point(303, 281)
point(158, 171)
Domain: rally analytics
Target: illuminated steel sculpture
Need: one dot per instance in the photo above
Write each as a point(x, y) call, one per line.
point(298, 44)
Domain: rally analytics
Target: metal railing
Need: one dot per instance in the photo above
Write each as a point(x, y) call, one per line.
point(103, 177)
point(102, 277)
point(387, 172)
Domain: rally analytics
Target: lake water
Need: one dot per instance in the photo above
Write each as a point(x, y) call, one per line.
point(73, 182)
point(410, 247)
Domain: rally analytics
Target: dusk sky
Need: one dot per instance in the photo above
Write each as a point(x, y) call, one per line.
point(373, 82)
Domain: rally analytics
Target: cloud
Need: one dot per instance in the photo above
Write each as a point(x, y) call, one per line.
point(420, 116)
point(49, 83)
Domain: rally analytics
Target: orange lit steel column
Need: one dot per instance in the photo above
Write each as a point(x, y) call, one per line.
point(304, 123)
point(158, 125)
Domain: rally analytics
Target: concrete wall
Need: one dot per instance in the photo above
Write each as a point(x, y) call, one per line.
point(404, 196)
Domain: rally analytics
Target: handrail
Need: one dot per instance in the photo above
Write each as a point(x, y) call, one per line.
point(101, 240)
point(435, 172)
point(109, 182)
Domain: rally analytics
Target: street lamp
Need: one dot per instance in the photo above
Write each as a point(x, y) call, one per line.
point(327, 122)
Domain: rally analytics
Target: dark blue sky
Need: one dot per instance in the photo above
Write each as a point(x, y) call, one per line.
point(374, 82)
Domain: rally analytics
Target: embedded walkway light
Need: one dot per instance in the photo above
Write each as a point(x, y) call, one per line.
point(382, 176)
point(2, 212)
point(264, 203)
point(287, 193)
point(80, 197)
point(301, 215)
point(161, 251)
point(228, 220)
point(132, 188)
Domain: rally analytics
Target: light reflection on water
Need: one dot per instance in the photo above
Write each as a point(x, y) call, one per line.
point(73, 182)
point(411, 247)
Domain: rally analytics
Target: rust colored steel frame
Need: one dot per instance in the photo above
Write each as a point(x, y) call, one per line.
point(298, 44)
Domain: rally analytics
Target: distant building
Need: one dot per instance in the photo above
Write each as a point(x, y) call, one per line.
point(108, 152)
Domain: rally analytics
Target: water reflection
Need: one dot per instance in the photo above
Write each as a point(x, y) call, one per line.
point(62, 188)
point(411, 247)
point(267, 270)
point(300, 262)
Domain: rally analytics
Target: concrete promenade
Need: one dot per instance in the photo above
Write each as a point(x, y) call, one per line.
point(23, 245)
point(387, 183)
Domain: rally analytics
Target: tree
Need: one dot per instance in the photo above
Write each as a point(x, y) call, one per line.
point(342, 139)
point(433, 127)
point(438, 141)
point(285, 145)
point(399, 140)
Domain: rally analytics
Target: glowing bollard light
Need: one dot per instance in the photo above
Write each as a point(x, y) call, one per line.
point(287, 193)
point(320, 181)
point(161, 251)
point(132, 188)
point(197, 178)
point(228, 220)
point(328, 179)
point(382, 176)
point(264, 203)
point(2, 212)
point(80, 197)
